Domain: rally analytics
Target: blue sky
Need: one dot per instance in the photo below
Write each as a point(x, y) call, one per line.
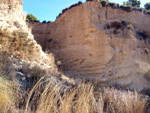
point(49, 9)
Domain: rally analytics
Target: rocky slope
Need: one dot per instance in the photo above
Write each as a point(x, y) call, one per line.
point(99, 42)
point(20, 56)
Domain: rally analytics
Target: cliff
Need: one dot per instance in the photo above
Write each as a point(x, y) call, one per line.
point(21, 58)
point(97, 42)
point(85, 46)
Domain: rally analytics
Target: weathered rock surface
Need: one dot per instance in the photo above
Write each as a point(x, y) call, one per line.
point(23, 70)
point(12, 19)
point(102, 43)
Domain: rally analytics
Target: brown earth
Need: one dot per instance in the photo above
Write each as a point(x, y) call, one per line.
point(103, 43)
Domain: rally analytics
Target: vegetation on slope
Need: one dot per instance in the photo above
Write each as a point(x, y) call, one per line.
point(50, 96)
point(19, 45)
point(8, 96)
point(133, 3)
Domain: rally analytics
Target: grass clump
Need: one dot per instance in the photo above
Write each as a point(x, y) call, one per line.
point(51, 96)
point(124, 101)
point(8, 99)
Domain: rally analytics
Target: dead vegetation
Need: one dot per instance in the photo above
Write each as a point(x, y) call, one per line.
point(49, 96)
point(8, 97)
point(17, 44)
point(52, 95)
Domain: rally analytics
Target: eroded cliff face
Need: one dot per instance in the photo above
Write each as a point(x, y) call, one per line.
point(102, 43)
point(20, 55)
point(12, 20)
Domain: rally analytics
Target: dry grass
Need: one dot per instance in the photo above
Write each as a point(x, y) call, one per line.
point(8, 98)
point(18, 45)
point(51, 96)
point(8, 89)
point(123, 101)
point(56, 97)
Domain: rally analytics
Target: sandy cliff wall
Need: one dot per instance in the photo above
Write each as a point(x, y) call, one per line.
point(12, 19)
point(41, 32)
point(20, 55)
point(102, 43)
point(11, 16)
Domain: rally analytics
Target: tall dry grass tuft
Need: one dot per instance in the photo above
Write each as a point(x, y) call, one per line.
point(8, 89)
point(52, 96)
point(123, 101)
point(8, 98)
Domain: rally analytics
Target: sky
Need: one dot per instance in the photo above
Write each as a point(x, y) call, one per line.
point(49, 9)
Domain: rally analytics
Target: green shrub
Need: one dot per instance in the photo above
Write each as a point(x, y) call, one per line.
point(127, 3)
point(147, 6)
point(133, 3)
point(31, 18)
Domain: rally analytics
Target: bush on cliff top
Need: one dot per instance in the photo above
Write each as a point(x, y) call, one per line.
point(133, 3)
point(31, 18)
point(147, 6)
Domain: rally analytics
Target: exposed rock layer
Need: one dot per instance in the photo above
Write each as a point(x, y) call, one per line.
point(102, 43)
point(15, 40)
point(12, 19)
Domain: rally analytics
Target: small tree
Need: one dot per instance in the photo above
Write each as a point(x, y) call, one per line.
point(147, 6)
point(127, 3)
point(31, 18)
point(133, 3)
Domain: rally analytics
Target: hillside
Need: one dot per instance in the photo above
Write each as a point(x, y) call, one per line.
point(99, 41)
point(92, 62)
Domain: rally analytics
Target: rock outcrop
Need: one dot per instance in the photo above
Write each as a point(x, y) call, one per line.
point(12, 19)
point(20, 55)
point(106, 44)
